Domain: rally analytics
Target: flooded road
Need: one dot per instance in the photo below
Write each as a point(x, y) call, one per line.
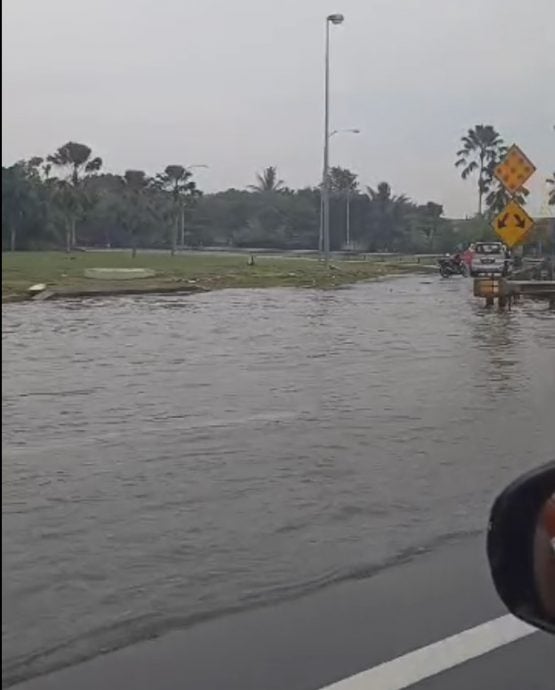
point(171, 459)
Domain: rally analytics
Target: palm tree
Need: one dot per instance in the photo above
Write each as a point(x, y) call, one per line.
point(499, 197)
point(76, 160)
point(482, 149)
point(176, 180)
point(267, 181)
point(551, 196)
point(388, 215)
point(383, 194)
point(76, 157)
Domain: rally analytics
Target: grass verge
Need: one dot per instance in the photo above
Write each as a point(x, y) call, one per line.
point(64, 273)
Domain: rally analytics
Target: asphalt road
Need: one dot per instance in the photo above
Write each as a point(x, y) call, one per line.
point(309, 643)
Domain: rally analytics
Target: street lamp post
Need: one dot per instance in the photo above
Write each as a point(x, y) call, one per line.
point(348, 220)
point(325, 204)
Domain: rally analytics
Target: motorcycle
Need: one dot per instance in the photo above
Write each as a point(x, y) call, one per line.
point(450, 267)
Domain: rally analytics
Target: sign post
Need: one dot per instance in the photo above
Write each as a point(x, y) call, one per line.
point(514, 170)
point(513, 225)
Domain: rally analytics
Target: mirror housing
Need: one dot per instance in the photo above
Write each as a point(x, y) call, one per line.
point(521, 547)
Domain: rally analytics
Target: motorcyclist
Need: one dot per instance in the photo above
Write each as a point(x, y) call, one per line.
point(452, 264)
point(468, 254)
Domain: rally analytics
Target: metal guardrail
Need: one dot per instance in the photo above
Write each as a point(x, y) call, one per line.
point(507, 290)
point(383, 257)
point(533, 288)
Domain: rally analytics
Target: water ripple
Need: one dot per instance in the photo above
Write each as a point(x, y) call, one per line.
point(170, 459)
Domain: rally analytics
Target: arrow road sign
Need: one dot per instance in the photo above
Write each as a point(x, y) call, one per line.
point(502, 221)
point(513, 224)
point(520, 221)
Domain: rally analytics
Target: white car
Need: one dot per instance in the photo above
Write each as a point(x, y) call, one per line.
point(490, 259)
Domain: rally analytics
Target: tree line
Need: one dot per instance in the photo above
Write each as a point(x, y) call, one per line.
point(67, 200)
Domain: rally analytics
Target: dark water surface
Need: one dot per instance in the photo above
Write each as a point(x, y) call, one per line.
point(171, 458)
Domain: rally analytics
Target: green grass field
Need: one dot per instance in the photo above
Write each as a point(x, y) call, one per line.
point(64, 273)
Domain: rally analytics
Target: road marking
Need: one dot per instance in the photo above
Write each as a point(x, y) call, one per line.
point(439, 656)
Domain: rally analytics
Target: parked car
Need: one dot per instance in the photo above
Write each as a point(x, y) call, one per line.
point(490, 259)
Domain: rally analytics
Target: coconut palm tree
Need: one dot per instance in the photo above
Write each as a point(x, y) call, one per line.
point(176, 180)
point(267, 181)
point(382, 194)
point(75, 159)
point(482, 148)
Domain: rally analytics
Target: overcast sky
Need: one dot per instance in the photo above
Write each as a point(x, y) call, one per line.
point(238, 85)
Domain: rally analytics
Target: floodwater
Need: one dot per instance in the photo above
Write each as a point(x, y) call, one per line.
point(168, 459)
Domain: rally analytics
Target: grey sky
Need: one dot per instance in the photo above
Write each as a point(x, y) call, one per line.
point(238, 84)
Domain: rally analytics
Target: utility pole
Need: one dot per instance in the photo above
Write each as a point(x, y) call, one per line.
point(324, 241)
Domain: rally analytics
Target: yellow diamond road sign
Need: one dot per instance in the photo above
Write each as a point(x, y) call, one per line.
point(514, 169)
point(513, 224)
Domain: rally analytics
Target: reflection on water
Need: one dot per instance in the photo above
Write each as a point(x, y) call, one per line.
point(168, 458)
point(498, 336)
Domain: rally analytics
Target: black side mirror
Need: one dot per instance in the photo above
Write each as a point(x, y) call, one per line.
point(521, 547)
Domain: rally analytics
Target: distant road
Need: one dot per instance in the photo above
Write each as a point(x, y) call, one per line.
point(273, 253)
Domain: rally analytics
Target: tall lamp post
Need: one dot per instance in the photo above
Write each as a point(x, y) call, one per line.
point(348, 219)
point(325, 205)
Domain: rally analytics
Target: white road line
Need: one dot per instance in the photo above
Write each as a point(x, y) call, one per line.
point(439, 656)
